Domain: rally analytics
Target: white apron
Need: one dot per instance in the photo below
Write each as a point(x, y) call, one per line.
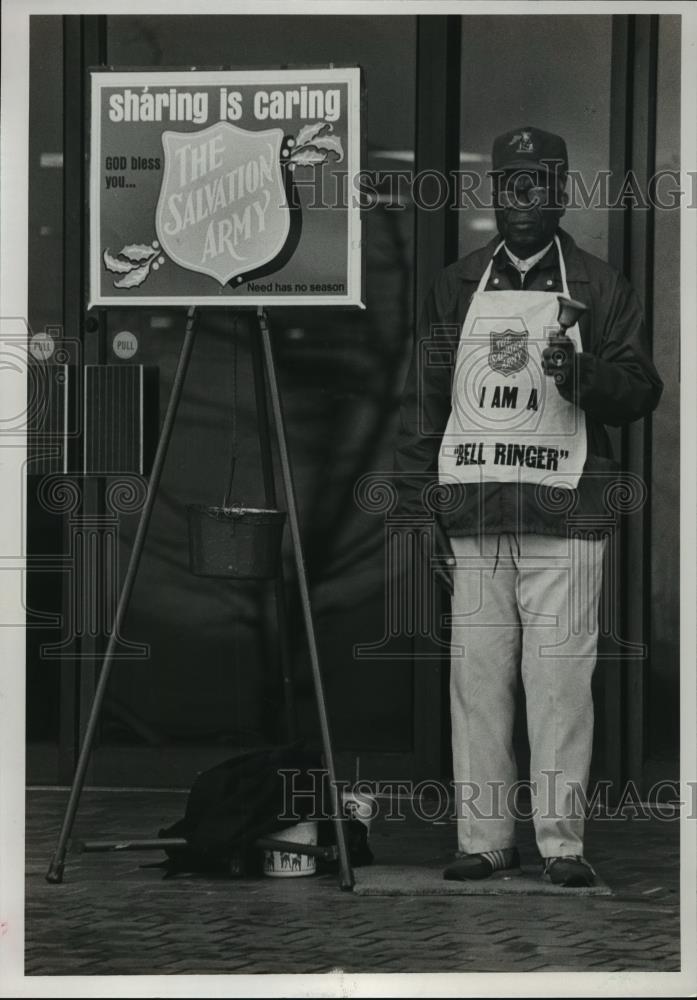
point(508, 422)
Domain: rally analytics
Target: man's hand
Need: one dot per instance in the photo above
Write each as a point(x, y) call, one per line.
point(444, 551)
point(559, 361)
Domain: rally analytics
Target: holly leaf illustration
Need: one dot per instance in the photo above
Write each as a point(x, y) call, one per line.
point(115, 265)
point(331, 143)
point(308, 157)
point(308, 132)
point(135, 277)
point(138, 251)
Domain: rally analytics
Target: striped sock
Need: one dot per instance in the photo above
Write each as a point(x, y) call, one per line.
point(499, 859)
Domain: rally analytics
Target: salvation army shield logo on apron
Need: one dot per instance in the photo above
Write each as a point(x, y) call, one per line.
point(508, 422)
point(509, 351)
point(222, 208)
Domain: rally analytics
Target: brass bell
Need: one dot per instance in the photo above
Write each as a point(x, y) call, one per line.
point(569, 312)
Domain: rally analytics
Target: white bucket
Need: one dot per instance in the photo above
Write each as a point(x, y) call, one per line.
point(360, 806)
point(286, 864)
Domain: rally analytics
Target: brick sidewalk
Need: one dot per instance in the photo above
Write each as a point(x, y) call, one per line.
point(111, 916)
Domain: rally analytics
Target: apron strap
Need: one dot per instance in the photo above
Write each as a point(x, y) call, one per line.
point(485, 277)
point(562, 268)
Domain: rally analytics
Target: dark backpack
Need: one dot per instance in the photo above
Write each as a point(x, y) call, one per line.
point(234, 803)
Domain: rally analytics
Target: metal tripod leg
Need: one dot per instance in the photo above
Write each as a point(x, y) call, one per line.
point(55, 870)
point(345, 873)
point(264, 424)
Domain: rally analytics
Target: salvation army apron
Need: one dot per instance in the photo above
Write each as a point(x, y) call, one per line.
point(508, 422)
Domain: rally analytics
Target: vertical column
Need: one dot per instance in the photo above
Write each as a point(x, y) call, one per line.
point(84, 44)
point(436, 244)
point(631, 239)
point(72, 323)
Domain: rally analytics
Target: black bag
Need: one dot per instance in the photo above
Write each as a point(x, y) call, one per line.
point(234, 803)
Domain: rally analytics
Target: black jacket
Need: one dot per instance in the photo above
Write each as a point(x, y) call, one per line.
point(617, 384)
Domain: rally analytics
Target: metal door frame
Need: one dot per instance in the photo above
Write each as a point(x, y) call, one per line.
point(633, 100)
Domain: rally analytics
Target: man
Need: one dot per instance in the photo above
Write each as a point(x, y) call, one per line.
point(510, 414)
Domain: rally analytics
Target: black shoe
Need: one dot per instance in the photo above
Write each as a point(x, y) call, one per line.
point(573, 872)
point(477, 866)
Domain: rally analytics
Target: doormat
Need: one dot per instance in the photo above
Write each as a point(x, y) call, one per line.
point(419, 880)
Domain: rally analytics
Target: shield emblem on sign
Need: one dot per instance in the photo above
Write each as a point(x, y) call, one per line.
point(222, 208)
point(509, 351)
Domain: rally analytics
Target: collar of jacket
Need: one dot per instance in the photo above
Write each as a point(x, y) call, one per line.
point(549, 261)
point(474, 264)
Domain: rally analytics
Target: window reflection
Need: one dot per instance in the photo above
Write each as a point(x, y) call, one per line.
point(341, 374)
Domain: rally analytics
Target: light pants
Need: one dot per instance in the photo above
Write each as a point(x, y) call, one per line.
point(530, 603)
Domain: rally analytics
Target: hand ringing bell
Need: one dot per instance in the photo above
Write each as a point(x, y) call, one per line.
point(558, 356)
point(569, 312)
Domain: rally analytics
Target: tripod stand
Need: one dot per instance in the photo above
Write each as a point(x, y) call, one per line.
point(263, 366)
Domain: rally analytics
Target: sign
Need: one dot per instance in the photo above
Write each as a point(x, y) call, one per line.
point(42, 346)
point(125, 344)
point(212, 187)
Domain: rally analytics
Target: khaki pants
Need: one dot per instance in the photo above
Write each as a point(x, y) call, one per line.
point(529, 603)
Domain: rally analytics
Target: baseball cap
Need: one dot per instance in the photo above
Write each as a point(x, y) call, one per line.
point(529, 147)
